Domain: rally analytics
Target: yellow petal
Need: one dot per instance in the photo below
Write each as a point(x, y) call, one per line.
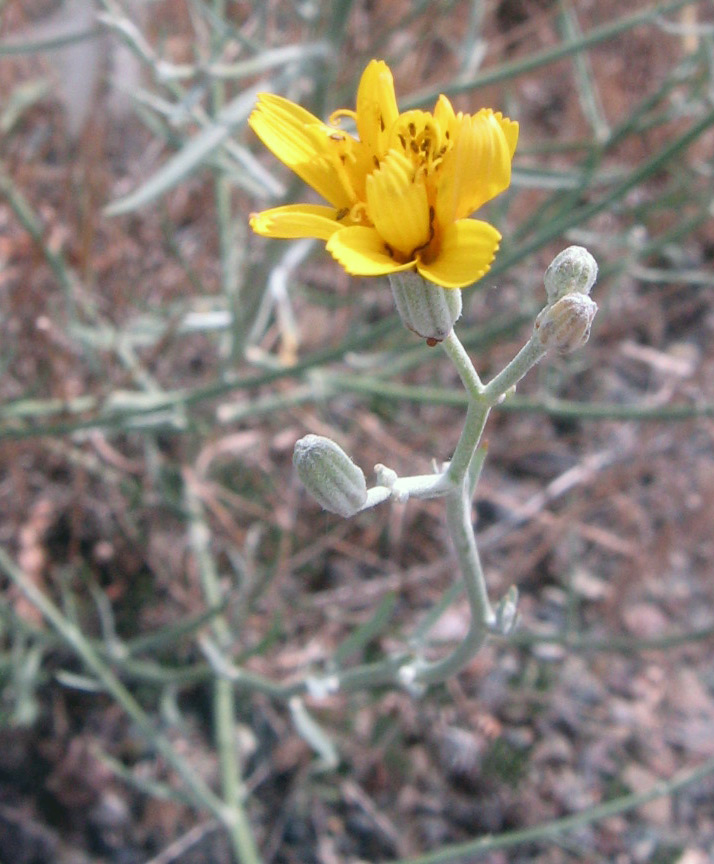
point(376, 107)
point(398, 206)
point(350, 159)
point(444, 114)
point(296, 220)
point(288, 131)
point(467, 249)
point(510, 130)
point(477, 168)
point(361, 251)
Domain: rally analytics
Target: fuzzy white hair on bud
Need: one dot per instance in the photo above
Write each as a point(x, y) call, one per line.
point(425, 308)
point(573, 271)
point(565, 326)
point(329, 475)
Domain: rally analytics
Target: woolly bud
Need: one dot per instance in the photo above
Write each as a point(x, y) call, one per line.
point(573, 271)
point(329, 475)
point(565, 326)
point(428, 309)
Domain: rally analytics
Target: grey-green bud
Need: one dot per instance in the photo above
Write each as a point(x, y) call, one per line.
point(573, 271)
point(565, 326)
point(428, 309)
point(329, 475)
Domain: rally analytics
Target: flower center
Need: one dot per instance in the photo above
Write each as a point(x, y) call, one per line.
point(421, 139)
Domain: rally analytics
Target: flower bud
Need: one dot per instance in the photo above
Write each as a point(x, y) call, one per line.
point(506, 613)
point(565, 325)
point(329, 475)
point(573, 271)
point(425, 308)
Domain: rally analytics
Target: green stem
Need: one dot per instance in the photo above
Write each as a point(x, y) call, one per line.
point(229, 247)
point(548, 830)
point(457, 354)
point(476, 417)
point(537, 59)
point(31, 222)
point(526, 358)
point(463, 472)
point(360, 677)
point(458, 521)
point(224, 715)
point(81, 646)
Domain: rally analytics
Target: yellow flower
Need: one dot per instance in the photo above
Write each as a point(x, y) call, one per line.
point(400, 193)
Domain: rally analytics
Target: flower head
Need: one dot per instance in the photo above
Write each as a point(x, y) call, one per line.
point(400, 193)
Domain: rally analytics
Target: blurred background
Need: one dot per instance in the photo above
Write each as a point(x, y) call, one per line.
point(159, 362)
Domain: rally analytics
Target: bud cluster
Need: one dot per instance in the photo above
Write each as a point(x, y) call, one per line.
point(564, 324)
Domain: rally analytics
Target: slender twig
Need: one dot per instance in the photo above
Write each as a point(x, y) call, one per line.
point(551, 55)
point(349, 679)
point(456, 352)
point(230, 248)
point(546, 831)
point(18, 420)
point(75, 639)
point(224, 716)
point(458, 520)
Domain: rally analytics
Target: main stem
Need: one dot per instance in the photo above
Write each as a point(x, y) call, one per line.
point(458, 500)
point(458, 521)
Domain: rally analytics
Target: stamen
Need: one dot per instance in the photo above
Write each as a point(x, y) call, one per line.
point(358, 213)
point(336, 116)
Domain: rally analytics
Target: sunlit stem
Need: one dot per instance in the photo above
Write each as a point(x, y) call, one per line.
point(457, 354)
point(526, 358)
point(475, 468)
point(458, 520)
point(476, 417)
point(403, 488)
